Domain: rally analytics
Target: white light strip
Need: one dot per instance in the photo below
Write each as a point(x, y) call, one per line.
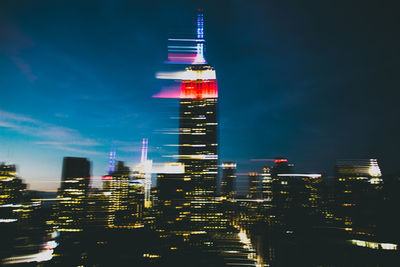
point(300, 175)
point(188, 75)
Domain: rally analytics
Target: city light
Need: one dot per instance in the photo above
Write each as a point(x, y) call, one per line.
point(236, 171)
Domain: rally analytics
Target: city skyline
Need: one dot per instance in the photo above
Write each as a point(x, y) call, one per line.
point(243, 148)
point(54, 76)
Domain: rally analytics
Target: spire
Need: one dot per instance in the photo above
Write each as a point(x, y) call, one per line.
point(144, 150)
point(111, 162)
point(200, 39)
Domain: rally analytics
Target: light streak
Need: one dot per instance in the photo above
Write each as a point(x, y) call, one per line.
point(186, 40)
point(300, 175)
point(8, 220)
point(187, 75)
point(205, 157)
point(373, 245)
point(11, 206)
point(44, 255)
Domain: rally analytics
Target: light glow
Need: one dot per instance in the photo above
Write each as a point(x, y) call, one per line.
point(374, 245)
point(199, 88)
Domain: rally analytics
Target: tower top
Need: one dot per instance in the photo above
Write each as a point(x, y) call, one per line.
point(111, 163)
point(199, 59)
point(143, 157)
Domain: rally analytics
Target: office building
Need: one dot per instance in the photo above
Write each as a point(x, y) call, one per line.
point(228, 180)
point(124, 205)
point(296, 199)
point(12, 189)
point(253, 185)
point(358, 186)
point(198, 144)
point(71, 210)
point(266, 183)
point(281, 166)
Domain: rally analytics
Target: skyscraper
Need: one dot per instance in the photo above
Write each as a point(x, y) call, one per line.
point(125, 199)
point(75, 180)
point(198, 145)
point(358, 186)
point(282, 166)
point(228, 179)
point(266, 183)
point(12, 188)
point(253, 185)
point(297, 198)
point(14, 201)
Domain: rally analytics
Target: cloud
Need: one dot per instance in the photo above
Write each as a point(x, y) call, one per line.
point(24, 67)
point(14, 42)
point(15, 117)
point(55, 136)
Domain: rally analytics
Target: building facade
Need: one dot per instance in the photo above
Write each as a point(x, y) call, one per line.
point(228, 180)
point(71, 210)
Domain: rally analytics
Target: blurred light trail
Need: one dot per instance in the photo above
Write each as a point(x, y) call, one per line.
point(169, 92)
point(262, 159)
point(300, 175)
point(188, 75)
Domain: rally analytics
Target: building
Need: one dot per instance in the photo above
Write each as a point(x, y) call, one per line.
point(281, 166)
point(228, 180)
point(172, 188)
point(97, 209)
point(296, 199)
point(12, 189)
point(21, 226)
point(253, 185)
point(15, 205)
point(266, 183)
point(198, 144)
point(71, 210)
point(125, 198)
point(358, 187)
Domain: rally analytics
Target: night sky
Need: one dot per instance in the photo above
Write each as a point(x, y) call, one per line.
point(313, 81)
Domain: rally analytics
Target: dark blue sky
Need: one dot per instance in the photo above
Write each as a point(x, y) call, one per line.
point(313, 81)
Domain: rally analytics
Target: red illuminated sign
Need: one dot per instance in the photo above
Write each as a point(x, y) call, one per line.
point(199, 89)
point(280, 160)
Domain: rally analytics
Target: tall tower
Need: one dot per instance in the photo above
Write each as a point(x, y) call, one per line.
point(198, 145)
point(116, 188)
point(75, 180)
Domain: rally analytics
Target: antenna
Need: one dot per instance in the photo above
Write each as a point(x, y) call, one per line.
point(200, 39)
point(144, 150)
point(111, 162)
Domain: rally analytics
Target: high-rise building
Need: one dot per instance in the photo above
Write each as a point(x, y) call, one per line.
point(228, 179)
point(358, 186)
point(281, 166)
point(297, 199)
point(198, 124)
point(124, 198)
point(15, 205)
point(266, 183)
point(71, 209)
point(12, 189)
point(20, 227)
point(253, 185)
point(172, 189)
